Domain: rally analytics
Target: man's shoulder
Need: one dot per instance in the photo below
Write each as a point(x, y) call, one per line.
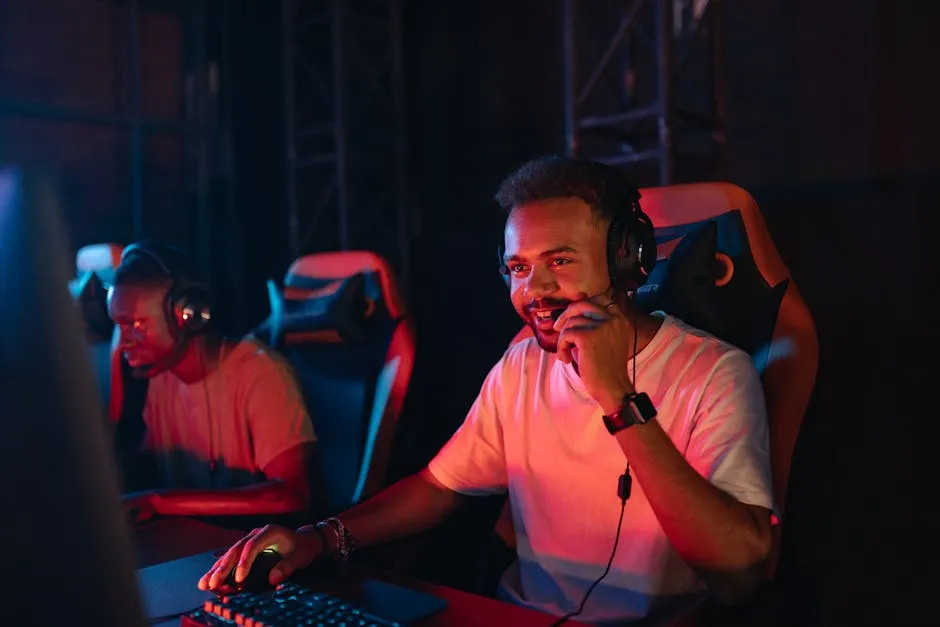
point(252, 358)
point(254, 370)
point(705, 351)
point(519, 363)
point(162, 384)
point(521, 354)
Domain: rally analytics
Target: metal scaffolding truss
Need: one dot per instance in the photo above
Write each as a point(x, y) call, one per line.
point(654, 93)
point(344, 127)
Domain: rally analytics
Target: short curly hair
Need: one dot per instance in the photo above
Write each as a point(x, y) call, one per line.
point(606, 189)
point(142, 269)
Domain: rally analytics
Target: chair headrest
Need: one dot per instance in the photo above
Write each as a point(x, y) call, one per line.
point(334, 297)
point(91, 298)
point(694, 203)
point(719, 269)
point(330, 269)
point(336, 311)
point(100, 258)
point(711, 282)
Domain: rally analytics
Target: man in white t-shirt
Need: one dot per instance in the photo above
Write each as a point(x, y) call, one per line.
point(226, 428)
point(602, 395)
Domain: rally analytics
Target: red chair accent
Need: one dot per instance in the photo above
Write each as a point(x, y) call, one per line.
point(98, 257)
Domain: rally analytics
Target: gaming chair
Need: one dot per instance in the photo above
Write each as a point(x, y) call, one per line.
point(342, 323)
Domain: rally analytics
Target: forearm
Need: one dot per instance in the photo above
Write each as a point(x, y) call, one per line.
point(712, 531)
point(272, 497)
point(408, 507)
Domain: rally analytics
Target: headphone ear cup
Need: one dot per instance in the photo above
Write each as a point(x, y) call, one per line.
point(190, 312)
point(644, 243)
point(620, 256)
point(631, 251)
point(503, 270)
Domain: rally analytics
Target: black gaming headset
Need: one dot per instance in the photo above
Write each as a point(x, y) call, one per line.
point(187, 304)
point(631, 241)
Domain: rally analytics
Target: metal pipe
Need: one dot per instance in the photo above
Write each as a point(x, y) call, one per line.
point(626, 22)
point(290, 145)
point(633, 157)
point(665, 40)
point(136, 138)
point(597, 121)
point(339, 117)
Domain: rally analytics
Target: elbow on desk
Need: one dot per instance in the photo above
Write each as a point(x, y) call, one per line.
point(736, 586)
point(294, 500)
point(278, 497)
point(737, 581)
point(735, 589)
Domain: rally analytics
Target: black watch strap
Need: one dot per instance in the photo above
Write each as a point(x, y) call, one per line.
point(637, 409)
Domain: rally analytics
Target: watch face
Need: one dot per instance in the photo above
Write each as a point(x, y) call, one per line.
point(643, 407)
point(631, 415)
point(637, 409)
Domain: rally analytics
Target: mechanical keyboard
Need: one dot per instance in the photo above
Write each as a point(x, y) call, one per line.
point(293, 605)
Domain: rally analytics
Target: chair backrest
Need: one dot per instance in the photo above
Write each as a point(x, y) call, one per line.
point(754, 302)
point(95, 265)
point(341, 322)
point(788, 353)
point(100, 258)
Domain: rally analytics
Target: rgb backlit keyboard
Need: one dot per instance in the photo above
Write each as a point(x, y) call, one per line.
point(290, 605)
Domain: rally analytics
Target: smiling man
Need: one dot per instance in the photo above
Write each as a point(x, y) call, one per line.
point(634, 448)
point(227, 431)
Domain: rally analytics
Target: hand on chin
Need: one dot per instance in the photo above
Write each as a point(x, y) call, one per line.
point(597, 339)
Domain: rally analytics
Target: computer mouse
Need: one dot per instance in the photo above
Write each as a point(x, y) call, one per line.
point(258, 575)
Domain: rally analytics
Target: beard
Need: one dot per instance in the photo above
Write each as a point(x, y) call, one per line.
point(547, 342)
point(545, 335)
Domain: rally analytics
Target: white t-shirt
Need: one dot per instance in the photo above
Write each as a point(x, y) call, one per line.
point(536, 432)
point(243, 415)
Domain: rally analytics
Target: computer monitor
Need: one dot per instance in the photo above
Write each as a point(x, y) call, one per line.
point(65, 545)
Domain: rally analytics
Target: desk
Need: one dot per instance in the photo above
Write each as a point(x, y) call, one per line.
point(171, 587)
point(470, 610)
point(167, 539)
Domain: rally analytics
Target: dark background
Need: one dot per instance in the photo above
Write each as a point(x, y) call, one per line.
point(831, 126)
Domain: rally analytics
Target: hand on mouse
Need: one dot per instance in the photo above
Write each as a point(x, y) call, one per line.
point(298, 549)
point(597, 335)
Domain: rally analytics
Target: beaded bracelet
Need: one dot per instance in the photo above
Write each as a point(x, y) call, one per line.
point(345, 543)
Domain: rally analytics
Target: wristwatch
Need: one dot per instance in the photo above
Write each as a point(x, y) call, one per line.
point(637, 409)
